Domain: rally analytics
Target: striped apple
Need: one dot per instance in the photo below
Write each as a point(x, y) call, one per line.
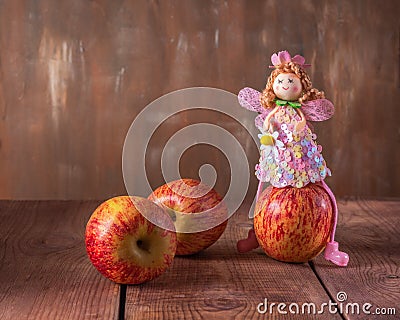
point(126, 247)
point(293, 224)
point(199, 213)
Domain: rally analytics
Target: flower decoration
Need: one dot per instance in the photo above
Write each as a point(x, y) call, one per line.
point(270, 148)
point(283, 57)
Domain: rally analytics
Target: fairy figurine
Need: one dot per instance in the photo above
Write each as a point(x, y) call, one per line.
point(289, 153)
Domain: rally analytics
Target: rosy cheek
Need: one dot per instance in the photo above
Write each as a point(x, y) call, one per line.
point(295, 88)
point(276, 88)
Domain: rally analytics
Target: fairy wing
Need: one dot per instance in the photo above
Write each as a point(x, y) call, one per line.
point(250, 99)
point(318, 110)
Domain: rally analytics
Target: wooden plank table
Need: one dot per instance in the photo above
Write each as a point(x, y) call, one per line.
point(45, 274)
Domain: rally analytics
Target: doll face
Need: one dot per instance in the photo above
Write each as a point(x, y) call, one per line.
point(287, 86)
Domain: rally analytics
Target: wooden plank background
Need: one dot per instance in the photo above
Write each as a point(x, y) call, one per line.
point(44, 270)
point(368, 232)
point(220, 283)
point(74, 74)
point(46, 274)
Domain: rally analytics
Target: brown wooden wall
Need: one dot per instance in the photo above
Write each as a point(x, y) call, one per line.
point(75, 73)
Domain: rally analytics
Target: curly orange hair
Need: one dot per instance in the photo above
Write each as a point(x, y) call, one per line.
point(309, 93)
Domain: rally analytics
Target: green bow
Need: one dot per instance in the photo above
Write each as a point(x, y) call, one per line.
point(290, 103)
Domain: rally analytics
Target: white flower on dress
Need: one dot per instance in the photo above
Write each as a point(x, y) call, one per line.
point(269, 150)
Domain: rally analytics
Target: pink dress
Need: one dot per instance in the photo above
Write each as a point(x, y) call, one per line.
point(297, 160)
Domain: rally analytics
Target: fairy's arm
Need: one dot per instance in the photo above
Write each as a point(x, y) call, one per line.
point(267, 124)
point(302, 123)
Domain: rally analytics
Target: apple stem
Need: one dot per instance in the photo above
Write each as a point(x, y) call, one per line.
point(142, 245)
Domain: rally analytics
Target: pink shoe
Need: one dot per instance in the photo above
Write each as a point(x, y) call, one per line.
point(333, 254)
point(248, 244)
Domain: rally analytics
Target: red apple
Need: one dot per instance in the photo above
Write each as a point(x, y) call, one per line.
point(199, 213)
point(293, 224)
point(124, 246)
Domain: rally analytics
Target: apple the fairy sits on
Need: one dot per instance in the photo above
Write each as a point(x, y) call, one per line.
point(289, 154)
